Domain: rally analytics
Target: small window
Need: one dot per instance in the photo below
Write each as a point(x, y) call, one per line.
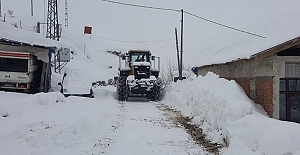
point(282, 85)
point(282, 107)
point(295, 109)
point(294, 85)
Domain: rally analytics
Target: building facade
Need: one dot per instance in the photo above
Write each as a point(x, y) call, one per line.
point(270, 78)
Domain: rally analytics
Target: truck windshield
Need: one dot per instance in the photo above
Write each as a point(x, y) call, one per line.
point(139, 57)
point(13, 65)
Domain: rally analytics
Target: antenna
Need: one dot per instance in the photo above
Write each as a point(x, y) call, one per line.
point(52, 21)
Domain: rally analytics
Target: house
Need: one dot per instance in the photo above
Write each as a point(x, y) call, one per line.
point(269, 77)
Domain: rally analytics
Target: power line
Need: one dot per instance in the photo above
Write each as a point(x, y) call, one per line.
point(224, 25)
point(123, 41)
point(168, 9)
point(138, 42)
point(142, 6)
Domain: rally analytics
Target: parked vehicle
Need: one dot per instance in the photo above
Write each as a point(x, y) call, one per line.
point(20, 71)
point(77, 83)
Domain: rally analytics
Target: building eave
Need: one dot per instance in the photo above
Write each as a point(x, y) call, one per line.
point(19, 43)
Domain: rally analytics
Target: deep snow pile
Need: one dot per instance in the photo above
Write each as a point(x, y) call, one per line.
point(49, 123)
point(225, 113)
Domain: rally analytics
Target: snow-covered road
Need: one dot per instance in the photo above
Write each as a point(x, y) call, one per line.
point(144, 129)
point(50, 124)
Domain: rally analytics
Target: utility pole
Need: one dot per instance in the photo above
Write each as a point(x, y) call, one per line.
point(31, 8)
point(181, 48)
point(66, 14)
point(0, 9)
point(178, 58)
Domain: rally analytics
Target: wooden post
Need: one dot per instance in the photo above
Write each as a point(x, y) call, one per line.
point(42, 78)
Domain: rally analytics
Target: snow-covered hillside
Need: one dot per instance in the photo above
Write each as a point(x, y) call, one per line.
point(121, 27)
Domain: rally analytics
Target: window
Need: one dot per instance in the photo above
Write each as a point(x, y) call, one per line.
point(289, 99)
point(13, 65)
point(136, 55)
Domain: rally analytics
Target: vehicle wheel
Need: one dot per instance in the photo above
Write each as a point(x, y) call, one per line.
point(156, 93)
point(122, 88)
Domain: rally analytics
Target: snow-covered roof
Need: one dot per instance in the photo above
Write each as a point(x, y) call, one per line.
point(240, 48)
point(268, 52)
point(10, 33)
point(275, 23)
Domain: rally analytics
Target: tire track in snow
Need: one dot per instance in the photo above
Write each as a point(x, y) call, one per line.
point(143, 129)
point(193, 130)
point(107, 142)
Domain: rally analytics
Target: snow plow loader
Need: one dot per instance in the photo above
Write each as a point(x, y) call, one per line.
point(138, 77)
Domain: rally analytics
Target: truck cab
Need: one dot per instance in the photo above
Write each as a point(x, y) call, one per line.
point(17, 70)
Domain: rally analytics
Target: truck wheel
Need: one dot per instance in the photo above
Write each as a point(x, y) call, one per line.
point(157, 93)
point(122, 88)
point(154, 93)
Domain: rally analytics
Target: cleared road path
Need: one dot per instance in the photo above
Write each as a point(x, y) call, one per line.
point(142, 128)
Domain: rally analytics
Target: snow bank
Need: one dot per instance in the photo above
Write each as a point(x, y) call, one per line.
point(209, 102)
point(47, 98)
point(23, 101)
point(49, 123)
point(224, 112)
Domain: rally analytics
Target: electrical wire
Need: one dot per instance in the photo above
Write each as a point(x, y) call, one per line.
point(168, 9)
point(137, 42)
point(223, 25)
point(142, 6)
point(123, 41)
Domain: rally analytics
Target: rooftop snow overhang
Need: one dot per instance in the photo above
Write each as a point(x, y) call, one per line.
point(40, 51)
point(264, 54)
point(18, 43)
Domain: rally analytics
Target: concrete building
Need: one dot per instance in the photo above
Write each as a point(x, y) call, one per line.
point(270, 78)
